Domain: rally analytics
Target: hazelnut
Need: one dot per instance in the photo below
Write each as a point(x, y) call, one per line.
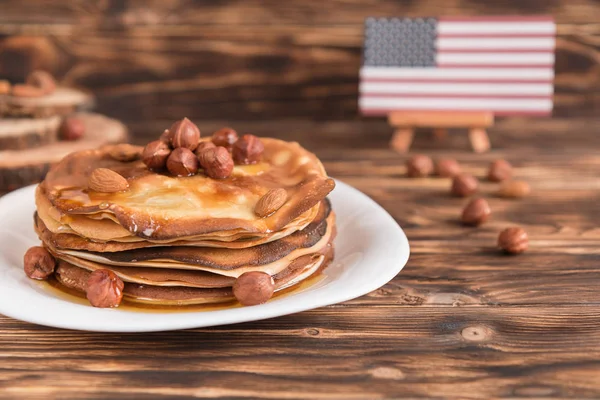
point(203, 146)
point(225, 137)
point(464, 185)
point(514, 189)
point(20, 90)
point(155, 154)
point(419, 166)
point(513, 240)
point(185, 134)
point(252, 288)
point(476, 212)
point(182, 162)
point(104, 289)
point(38, 263)
point(500, 170)
point(447, 168)
point(216, 162)
point(247, 150)
point(166, 137)
point(42, 80)
point(71, 129)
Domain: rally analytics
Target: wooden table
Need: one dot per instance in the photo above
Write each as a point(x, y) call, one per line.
point(461, 320)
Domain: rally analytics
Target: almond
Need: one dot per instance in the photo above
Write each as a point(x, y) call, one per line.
point(104, 180)
point(270, 202)
point(124, 152)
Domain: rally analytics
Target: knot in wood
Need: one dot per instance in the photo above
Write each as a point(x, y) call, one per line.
point(476, 333)
point(313, 332)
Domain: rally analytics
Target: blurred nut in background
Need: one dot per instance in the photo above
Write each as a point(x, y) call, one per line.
point(464, 185)
point(71, 129)
point(42, 80)
point(513, 240)
point(514, 189)
point(500, 170)
point(419, 166)
point(20, 90)
point(447, 168)
point(476, 212)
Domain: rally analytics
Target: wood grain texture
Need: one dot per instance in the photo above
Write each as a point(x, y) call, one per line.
point(251, 59)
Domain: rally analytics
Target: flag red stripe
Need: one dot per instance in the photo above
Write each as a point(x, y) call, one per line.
point(500, 18)
point(441, 96)
point(385, 111)
point(494, 66)
point(454, 80)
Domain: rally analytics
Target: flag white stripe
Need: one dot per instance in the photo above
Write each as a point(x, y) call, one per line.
point(494, 58)
point(494, 43)
point(487, 27)
point(538, 89)
point(459, 73)
point(531, 105)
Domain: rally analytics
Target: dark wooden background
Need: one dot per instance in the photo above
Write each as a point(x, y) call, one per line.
point(461, 320)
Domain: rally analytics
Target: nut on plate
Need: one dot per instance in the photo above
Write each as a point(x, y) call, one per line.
point(225, 137)
point(476, 212)
point(185, 134)
point(38, 263)
point(182, 162)
point(104, 289)
point(447, 168)
point(155, 154)
point(419, 166)
point(42, 80)
point(270, 202)
point(252, 288)
point(124, 152)
point(247, 150)
point(104, 180)
point(71, 128)
point(514, 189)
point(513, 240)
point(216, 162)
point(464, 185)
point(500, 170)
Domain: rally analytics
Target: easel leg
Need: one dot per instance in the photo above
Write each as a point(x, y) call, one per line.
point(402, 139)
point(440, 133)
point(479, 140)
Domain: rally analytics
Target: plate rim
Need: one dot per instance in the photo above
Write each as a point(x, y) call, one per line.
point(221, 317)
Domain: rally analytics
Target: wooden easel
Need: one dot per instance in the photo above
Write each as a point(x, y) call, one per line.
point(405, 122)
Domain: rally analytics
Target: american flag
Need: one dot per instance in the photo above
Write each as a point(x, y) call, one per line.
point(500, 64)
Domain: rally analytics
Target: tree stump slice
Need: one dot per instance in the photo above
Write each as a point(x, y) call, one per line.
point(19, 168)
point(62, 101)
point(25, 133)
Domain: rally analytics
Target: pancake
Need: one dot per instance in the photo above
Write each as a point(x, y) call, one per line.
point(75, 278)
point(270, 258)
point(162, 207)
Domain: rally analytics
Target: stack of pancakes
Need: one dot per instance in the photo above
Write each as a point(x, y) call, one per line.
point(185, 240)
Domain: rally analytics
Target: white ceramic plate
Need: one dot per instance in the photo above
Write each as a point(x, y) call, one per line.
point(370, 250)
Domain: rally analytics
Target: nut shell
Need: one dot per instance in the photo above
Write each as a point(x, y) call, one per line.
point(513, 240)
point(447, 168)
point(464, 185)
point(270, 202)
point(155, 154)
point(500, 170)
point(104, 180)
point(42, 80)
point(252, 288)
point(514, 189)
point(184, 134)
point(38, 263)
point(225, 137)
point(419, 166)
point(71, 128)
point(182, 162)
point(476, 212)
point(247, 150)
point(216, 162)
point(104, 289)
